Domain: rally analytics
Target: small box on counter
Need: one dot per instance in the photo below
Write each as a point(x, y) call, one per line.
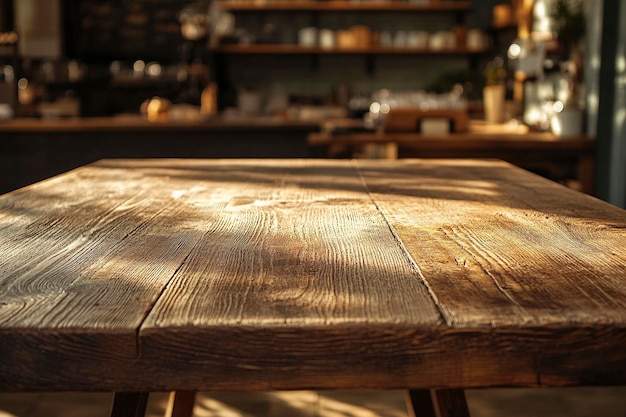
point(432, 121)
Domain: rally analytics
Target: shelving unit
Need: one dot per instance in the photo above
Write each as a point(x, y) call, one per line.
point(376, 50)
point(433, 6)
point(9, 56)
point(8, 44)
point(317, 8)
point(236, 56)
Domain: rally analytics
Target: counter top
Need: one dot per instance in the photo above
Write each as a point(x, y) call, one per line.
point(479, 134)
point(479, 130)
point(118, 123)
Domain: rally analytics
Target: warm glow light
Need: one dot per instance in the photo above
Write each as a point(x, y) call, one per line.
point(385, 108)
point(153, 107)
point(514, 51)
point(541, 17)
point(375, 107)
point(558, 106)
point(593, 100)
point(139, 66)
point(22, 84)
point(8, 73)
point(540, 9)
point(153, 69)
point(533, 115)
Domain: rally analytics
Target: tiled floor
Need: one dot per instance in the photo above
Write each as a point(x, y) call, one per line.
point(570, 402)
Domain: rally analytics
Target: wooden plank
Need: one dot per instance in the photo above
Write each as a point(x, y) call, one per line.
point(538, 266)
point(299, 257)
point(391, 356)
point(291, 240)
point(81, 250)
point(499, 247)
point(83, 259)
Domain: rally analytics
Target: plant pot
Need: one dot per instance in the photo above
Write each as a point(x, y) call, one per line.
point(493, 102)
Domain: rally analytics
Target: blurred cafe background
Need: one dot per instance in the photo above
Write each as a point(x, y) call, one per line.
point(82, 80)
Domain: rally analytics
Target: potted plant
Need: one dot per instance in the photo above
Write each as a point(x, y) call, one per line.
point(569, 23)
point(494, 91)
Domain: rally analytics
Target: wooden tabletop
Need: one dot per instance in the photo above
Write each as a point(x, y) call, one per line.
point(151, 275)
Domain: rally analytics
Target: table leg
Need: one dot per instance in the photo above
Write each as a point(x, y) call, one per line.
point(129, 404)
point(585, 173)
point(437, 403)
point(181, 404)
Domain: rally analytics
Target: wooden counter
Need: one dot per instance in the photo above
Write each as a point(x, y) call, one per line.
point(568, 160)
point(126, 123)
point(34, 149)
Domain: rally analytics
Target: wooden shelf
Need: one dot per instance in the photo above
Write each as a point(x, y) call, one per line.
point(376, 50)
point(8, 44)
point(307, 5)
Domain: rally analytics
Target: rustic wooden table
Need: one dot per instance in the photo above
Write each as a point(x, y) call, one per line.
point(137, 276)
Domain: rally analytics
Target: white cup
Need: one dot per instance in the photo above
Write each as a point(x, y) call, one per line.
point(307, 36)
point(438, 40)
point(327, 39)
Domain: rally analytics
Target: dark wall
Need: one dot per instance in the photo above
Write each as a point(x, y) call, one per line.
point(26, 158)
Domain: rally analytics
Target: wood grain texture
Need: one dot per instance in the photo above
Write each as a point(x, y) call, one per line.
point(294, 246)
point(89, 254)
point(83, 258)
point(500, 247)
point(298, 249)
point(186, 275)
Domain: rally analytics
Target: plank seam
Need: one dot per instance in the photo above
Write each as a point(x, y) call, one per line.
point(398, 240)
point(156, 300)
